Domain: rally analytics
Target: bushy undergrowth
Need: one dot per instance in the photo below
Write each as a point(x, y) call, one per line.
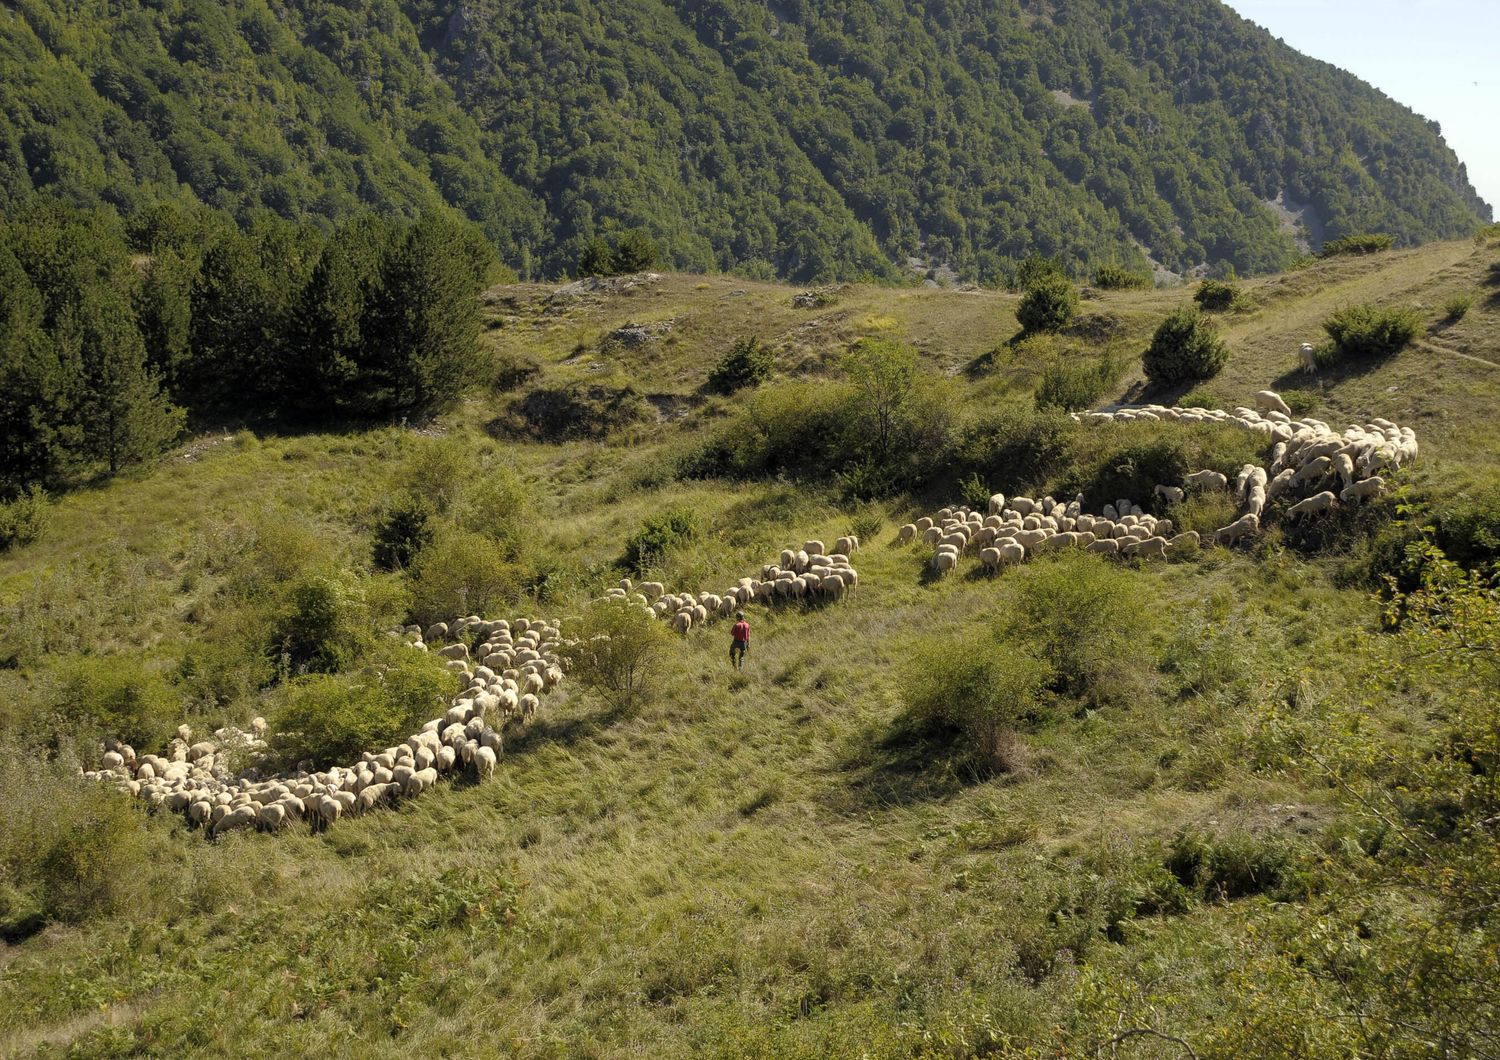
point(617, 651)
point(1119, 278)
point(1186, 346)
point(24, 518)
point(1218, 296)
point(1048, 304)
point(573, 410)
point(980, 683)
point(119, 696)
point(1078, 384)
point(463, 573)
point(70, 849)
point(1371, 331)
point(659, 535)
point(1088, 621)
point(330, 719)
point(749, 362)
point(1360, 243)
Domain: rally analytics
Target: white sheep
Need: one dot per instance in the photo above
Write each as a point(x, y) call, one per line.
point(1270, 401)
point(1170, 494)
point(1241, 527)
point(1308, 356)
point(1318, 502)
point(1206, 479)
point(1364, 489)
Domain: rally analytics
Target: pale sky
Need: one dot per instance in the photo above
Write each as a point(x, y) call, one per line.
point(1439, 57)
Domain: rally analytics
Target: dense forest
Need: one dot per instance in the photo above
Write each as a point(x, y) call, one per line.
point(803, 139)
point(112, 335)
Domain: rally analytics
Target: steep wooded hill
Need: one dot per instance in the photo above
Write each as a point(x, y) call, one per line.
point(806, 139)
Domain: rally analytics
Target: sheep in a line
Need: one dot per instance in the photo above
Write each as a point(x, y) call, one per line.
point(195, 777)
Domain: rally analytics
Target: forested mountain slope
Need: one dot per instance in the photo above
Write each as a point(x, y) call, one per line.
point(803, 138)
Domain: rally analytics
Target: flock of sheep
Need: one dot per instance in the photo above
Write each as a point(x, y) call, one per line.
point(1306, 456)
point(803, 573)
point(518, 662)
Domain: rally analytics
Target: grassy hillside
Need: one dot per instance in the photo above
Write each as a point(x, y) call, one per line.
point(784, 862)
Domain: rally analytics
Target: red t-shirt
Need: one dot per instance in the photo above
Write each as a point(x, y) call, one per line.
point(741, 631)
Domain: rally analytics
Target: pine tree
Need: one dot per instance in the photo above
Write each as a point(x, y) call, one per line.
point(124, 415)
point(163, 308)
point(33, 435)
point(427, 327)
point(230, 302)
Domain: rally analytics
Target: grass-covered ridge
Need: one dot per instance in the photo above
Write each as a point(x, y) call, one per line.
point(796, 861)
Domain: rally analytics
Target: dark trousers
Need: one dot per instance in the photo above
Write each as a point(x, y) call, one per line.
point(737, 650)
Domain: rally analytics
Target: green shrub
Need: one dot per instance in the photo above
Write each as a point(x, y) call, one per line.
point(1088, 620)
point(1186, 346)
point(121, 697)
point(748, 363)
point(70, 849)
point(1048, 305)
point(616, 650)
point(497, 504)
point(328, 624)
point(1203, 397)
point(24, 519)
point(1133, 470)
point(1301, 402)
point(1036, 269)
point(977, 684)
point(1454, 310)
point(1217, 296)
point(1075, 385)
point(514, 370)
point(1118, 278)
point(1223, 867)
point(788, 428)
point(634, 252)
point(332, 718)
point(403, 531)
point(660, 534)
point(974, 493)
point(462, 573)
point(574, 410)
point(1469, 530)
point(866, 523)
point(1363, 243)
point(1015, 447)
point(1366, 330)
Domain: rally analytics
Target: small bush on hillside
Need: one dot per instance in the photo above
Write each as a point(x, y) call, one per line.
point(974, 493)
point(783, 428)
point(1301, 402)
point(120, 696)
point(24, 519)
point(1036, 269)
point(1367, 330)
point(1229, 866)
point(332, 718)
point(1454, 310)
point(1133, 470)
point(1469, 530)
point(575, 410)
point(1118, 278)
point(1363, 243)
point(659, 535)
point(748, 363)
point(513, 371)
point(496, 504)
point(1203, 397)
point(328, 624)
point(1048, 305)
point(1087, 620)
point(978, 684)
point(70, 849)
point(617, 651)
point(461, 573)
point(866, 524)
point(1186, 346)
point(1014, 447)
point(1075, 385)
point(1217, 296)
point(403, 531)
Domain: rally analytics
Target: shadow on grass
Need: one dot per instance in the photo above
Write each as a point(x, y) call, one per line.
point(911, 763)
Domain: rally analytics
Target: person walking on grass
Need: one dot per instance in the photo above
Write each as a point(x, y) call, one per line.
point(739, 642)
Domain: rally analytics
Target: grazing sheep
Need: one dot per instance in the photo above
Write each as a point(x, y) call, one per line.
point(1318, 502)
point(1206, 479)
point(1241, 527)
point(1364, 489)
point(1270, 401)
point(1308, 357)
point(1105, 546)
point(1149, 548)
point(1170, 494)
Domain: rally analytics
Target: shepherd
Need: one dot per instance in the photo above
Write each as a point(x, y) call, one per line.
point(739, 642)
